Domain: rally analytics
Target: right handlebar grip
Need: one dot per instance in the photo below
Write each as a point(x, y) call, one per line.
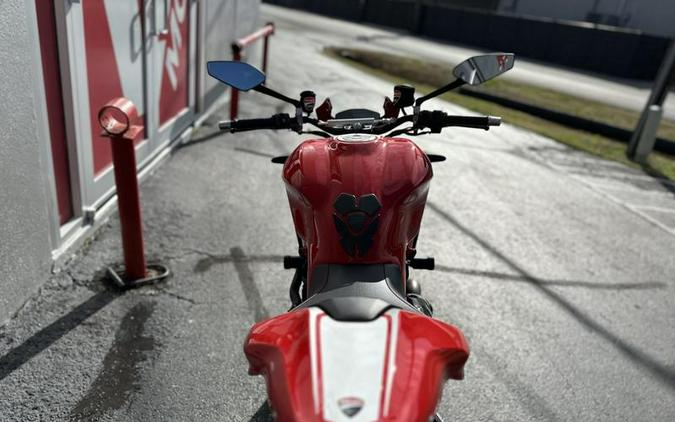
point(481, 122)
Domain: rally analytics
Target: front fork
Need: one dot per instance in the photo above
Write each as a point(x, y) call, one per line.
point(413, 287)
point(298, 289)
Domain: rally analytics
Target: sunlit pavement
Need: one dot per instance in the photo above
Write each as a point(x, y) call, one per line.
point(334, 32)
point(556, 265)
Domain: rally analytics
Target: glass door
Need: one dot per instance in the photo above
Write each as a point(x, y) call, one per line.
point(104, 58)
point(171, 56)
point(143, 50)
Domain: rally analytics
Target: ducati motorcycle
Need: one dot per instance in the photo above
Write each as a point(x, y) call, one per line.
point(359, 342)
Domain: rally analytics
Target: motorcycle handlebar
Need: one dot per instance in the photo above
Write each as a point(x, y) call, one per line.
point(278, 121)
point(434, 120)
point(437, 120)
point(481, 122)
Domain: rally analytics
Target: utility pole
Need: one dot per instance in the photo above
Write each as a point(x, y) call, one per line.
point(363, 5)
point(417, 17)
point(596, 3)
point(644, 136)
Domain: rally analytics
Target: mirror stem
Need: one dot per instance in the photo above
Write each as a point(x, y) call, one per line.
point(442, 90)
point(272, 93)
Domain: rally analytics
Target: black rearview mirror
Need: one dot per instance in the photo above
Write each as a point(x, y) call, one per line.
point(239, 75)
point(479, 69)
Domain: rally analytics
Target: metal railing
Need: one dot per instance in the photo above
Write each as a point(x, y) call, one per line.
point(238, 46)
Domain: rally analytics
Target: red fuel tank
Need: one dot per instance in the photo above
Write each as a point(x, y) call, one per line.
point(357, 199)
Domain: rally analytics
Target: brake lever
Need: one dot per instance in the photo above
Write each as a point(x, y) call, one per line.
point(399, 132)
point(410, 131)
point(420, 133)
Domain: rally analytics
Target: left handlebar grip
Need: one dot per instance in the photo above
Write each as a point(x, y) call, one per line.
point(278, 121)
point(249, 124)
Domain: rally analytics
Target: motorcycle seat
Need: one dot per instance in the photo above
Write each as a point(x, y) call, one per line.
point(356, 292)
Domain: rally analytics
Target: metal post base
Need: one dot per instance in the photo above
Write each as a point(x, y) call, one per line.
point(155, 274)
point(647, 138)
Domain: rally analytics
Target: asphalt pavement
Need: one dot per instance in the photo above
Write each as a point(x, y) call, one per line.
point(558, 266)
point(324, 30)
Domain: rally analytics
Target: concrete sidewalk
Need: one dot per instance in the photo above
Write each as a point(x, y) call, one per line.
point(565, 294)
point(335, 32)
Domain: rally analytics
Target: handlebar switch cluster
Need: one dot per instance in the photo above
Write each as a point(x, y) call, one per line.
point(434, 120)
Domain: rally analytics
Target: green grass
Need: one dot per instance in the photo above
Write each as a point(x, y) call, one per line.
point(430, 75)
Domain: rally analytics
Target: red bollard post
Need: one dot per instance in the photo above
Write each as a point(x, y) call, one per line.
point(234, 101)
point(266, 45)
point(265, 32)
point(117, 118)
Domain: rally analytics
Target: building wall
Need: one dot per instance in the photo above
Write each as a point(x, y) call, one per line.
point(29, 219)
point(25, 242)
point(653, 17)
point(475, 4)
point(226, 20)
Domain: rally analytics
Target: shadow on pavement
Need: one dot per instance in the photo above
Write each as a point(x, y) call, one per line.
point(207, 262)
point(54, 331)
point(658, 177)
point(254, 152)
point(371, 38)
point(196, 141)
point(264, 414)
point(120, 374)
point(247, 281)
point(658, 371)
point(562, 283)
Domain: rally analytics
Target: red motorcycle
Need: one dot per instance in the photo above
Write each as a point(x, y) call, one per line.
point(359, 342)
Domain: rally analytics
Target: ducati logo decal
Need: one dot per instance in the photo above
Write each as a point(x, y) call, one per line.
point(356, 220)
point(350, 406)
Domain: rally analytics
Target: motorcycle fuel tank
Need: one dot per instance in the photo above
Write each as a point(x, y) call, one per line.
point(360, 197)
point(319, 369)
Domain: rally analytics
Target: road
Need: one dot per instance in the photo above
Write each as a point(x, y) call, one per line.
point(334, 32)
point(558, 266)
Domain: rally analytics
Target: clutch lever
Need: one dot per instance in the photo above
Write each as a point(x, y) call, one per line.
point(317, 133)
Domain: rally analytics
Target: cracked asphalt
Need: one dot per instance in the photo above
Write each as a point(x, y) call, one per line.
point(550, 260)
